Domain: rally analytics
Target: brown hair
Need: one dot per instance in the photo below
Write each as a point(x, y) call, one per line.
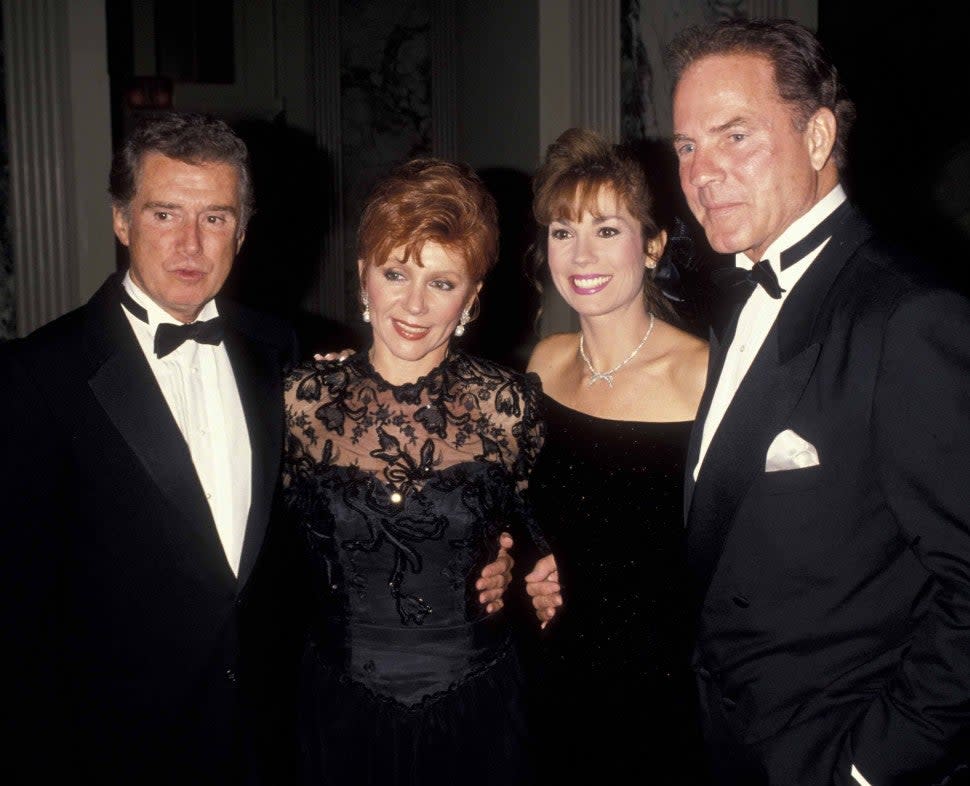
point(578, 166)
point(190, 138)
point(428, 199)
point(804, 76)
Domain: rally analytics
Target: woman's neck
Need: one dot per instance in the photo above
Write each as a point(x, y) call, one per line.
point(609, 339)
point(399, 371)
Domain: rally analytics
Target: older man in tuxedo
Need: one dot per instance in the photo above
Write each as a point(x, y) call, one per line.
point(144, 582)
point(828, 518)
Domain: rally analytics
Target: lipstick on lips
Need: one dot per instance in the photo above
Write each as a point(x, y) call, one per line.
point(589, 284)
point(408, 331)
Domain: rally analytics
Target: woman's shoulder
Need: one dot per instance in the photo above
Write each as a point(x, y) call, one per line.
point(315, 380)
point(507, 388)
point(491, 373)
point(553, 352)
point(686, 358)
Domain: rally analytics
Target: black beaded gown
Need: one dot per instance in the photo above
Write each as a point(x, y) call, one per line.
point(618, 698)
point(400, 493)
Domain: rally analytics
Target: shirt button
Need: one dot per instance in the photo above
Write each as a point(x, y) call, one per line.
point(208, 495)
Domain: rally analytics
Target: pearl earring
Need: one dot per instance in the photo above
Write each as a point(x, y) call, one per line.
point(366, 315)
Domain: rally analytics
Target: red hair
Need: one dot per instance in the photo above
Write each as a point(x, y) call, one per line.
point(428, 199)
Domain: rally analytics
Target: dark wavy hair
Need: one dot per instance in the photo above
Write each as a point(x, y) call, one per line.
point(190, 138)
point(428, 199)
point(804, 75)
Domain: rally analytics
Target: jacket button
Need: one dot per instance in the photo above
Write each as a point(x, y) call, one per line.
point(741, 601)
point(728, 703)
point(231, 675)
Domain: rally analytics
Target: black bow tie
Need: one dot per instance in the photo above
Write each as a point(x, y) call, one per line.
point(170, 337)
point(742, 282)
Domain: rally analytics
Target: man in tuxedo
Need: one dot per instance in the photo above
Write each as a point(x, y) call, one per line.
point(146, 588)
point(827, 512)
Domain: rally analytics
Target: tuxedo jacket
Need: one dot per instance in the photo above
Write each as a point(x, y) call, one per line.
point(834, 624)
point(127, 626)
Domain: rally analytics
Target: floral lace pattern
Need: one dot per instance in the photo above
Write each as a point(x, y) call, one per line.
point(400, 491)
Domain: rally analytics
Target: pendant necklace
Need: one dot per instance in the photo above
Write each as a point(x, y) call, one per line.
point(607, 376)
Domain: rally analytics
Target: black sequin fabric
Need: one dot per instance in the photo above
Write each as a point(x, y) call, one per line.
point(614, 665)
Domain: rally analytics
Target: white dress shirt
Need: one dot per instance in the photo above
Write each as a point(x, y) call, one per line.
point(760, 312)
point(200, 389)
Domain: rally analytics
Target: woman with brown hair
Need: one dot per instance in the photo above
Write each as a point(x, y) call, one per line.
point(402, 464)
point(620, 398)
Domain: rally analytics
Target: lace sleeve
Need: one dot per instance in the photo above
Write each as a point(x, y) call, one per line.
point(530, 434)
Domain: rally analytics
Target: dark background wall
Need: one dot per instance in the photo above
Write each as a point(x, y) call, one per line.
point(906, 67)
point(7, 303)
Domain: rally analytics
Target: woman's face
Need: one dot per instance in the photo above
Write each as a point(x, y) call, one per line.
point(597, 262)
point(415, 308)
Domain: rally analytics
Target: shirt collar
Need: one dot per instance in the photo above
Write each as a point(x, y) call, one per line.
point(798, 229)
point(156, 314)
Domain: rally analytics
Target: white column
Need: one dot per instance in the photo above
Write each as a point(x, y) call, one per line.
point(596, 66)
point(57, 113)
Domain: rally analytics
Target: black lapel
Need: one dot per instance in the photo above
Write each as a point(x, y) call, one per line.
point(257, 366)
point(764, 401)
point(124, 386)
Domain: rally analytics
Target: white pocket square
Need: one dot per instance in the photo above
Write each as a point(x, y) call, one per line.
point(790, 451)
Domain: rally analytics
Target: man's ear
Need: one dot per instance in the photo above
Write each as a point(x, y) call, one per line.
point(820, 133)
point(120, 223)
point(655, 249)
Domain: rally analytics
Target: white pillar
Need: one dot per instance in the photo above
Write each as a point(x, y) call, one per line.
point(58, 119)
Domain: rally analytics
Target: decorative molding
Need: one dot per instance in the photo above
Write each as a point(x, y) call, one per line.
point(42, 215)
point(326, 64)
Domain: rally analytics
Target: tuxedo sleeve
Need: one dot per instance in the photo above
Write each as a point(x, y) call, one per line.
point(33, 491)
point(916, 728)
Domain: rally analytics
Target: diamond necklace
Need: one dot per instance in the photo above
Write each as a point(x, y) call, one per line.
point(607, 376)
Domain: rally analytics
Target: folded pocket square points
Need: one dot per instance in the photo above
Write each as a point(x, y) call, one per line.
point(790, 451)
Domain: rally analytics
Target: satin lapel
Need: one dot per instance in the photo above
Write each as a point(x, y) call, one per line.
point(765, 399)
point(736, 456)
point(258, 371)
point(124, 386)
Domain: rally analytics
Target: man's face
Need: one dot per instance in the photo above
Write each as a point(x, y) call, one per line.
point(182, 232)
point(746, 171)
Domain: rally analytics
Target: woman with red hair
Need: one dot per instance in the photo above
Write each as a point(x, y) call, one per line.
point(402, 465)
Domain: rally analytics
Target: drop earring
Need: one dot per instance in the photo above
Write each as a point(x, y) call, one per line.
point(466, 316)
point(363, 299)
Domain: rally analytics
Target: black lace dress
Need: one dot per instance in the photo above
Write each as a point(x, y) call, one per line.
point(400, 493)
point(618, 698)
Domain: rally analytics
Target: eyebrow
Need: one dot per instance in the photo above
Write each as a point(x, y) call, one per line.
point(175, 206)
point(720, 129)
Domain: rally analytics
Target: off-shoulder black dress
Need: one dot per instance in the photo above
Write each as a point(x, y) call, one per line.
point(618, 694)
point(400, 493)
